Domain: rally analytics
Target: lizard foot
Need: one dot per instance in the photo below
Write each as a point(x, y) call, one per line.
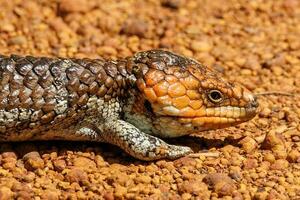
point(139, 144)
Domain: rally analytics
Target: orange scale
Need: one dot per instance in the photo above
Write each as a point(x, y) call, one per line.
point(201, 112)
point(199, 121)
point(223, 120)
point(210, 120)
point(193, 94)
point(196, 73)
point(190, 83)
point(161, 88)
point(187, 112)
point(141, 84)
point(153, 77)
point(185, 120)
point(237, 92)
point(164, 100)
point(171, 79)
point(181, 102)
point(176, 90)
point(150, 94)
point(196, 104)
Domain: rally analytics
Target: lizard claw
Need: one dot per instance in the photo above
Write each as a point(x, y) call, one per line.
point(178, 151)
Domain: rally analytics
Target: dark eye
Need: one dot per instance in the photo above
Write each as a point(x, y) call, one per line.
point(215, 96)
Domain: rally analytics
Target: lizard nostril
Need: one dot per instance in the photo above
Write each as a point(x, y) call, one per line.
point(254, 103)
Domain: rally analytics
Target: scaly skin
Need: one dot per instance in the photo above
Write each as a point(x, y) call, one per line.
point(128, 103)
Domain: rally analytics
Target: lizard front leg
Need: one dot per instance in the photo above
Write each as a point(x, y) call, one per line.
point(135, 142)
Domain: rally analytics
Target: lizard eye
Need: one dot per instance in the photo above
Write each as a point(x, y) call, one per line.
point(215, 96)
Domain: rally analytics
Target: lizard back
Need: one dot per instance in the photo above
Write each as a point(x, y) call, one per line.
point(43, 93)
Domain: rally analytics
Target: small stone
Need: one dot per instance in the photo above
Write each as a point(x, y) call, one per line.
point(23, 194)
point(261, 195)
point(143, 179)
point(50, 195)
point(9, 160)
point(201, 46)
point(250, 164)
point(294, 156)
point(59, 165)
point(195, 187)
point(277, 70)
point(221, 183)
point(237, 196)
point(136, 27)
point(120, 191)
point(9, 155)
point(185, 161)
point(174, 4)
point(33, 161)
point(108, 196)
point(274, 141)
point(83, 162)
point(5, 193)
point(240, 61)
point(235, 175)
point(69, 6)
point(29, 177)
point(7, 27)
point(186, 196)
point(77, 175)
point(248, 144)
point(269, 157)
point(265, 112)
point(17, 40)
point(280, 164)
point(252, 63)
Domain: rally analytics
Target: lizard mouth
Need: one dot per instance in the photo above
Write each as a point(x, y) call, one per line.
point(230, 112)
point(220, 116)
point(174, 124)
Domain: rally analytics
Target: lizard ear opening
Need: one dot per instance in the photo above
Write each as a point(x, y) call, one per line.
point(137, 71)
point(148, 106)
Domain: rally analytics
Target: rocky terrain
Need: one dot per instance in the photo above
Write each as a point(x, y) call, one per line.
point(256, 43)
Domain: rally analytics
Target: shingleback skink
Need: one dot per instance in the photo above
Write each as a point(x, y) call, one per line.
point(131, 102)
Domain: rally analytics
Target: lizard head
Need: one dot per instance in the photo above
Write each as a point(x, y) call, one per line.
point(179, 96)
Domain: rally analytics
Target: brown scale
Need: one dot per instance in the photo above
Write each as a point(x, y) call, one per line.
point(35, 83)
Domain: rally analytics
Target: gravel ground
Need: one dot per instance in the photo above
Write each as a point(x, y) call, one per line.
point(252, 42)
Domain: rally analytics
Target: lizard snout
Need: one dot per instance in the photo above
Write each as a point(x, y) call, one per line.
point(251, 108)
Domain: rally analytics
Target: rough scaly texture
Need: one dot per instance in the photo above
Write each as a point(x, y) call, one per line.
point(128, 103)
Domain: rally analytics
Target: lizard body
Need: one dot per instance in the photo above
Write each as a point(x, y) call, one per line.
point(131, 102)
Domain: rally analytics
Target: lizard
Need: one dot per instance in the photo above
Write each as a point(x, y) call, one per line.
point(133, 102)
